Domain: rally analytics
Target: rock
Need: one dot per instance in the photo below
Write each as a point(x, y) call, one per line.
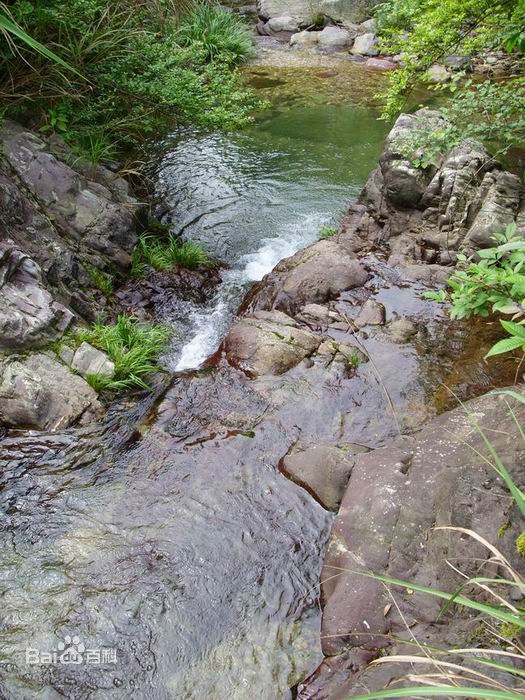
point(499, 208)
point(322, 469)
point(395, 498)
point(29, 316)
point(282, 24)
point(372, 314)
point(316, 313)
point(268, 343)
point(380, 64)
point(95, 216)
point(313, 275)
point(401, 331)
point(89, 360)
point(366, 45)
point(457, 62)
point(368, 27)
point(304, 11)
point(437, 74)
point(404, 184)
point(66, 354)
point(305, 39)
point(39, 392)
point(334, 38)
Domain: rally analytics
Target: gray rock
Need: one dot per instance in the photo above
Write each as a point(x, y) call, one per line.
point(380, 64)
point(395, 498)
point(282, 24)
point(499, 208)
point(334, 38)
point(322, 469)
point(29, 315)
point(372, 314)
point(366, 45)
point(457, 62)
point(438, 74)
point(401, 330)
point(268, 343)
point(368, 27)
point(89, 360)
point(39, 392)
point(304, 11)
point(306, 40)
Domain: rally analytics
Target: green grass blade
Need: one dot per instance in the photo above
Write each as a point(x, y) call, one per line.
point(443, 691)
point(7, 25)
point(459, 600)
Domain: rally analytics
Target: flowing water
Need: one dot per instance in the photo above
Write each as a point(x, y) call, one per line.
point(166, 539)
point(256, 197)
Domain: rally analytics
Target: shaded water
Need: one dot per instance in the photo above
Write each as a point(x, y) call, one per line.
point(168, 536)
point(255, 197)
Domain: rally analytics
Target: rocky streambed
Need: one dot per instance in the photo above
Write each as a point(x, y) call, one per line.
point(183, 538)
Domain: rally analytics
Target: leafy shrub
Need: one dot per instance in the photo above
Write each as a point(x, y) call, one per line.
point(491, 281)
point(133, 347)
point(163, 254)
point(131, 74)
point(101, 280)
point(424, 31)
point(218, 32)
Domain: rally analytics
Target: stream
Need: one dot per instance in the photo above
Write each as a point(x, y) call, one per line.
point(255, 197)
point(164, 544)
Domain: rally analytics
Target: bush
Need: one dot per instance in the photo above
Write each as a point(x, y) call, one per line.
point(493, 281)
point(134, 348)
point(424, 32)
point(218, 32)
point(163, 254)
point(327, 232)
point(132, 75)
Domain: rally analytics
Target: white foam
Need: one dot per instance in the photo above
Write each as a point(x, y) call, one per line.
point(210, 326)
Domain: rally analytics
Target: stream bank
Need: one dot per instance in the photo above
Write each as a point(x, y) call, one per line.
point(169, 531)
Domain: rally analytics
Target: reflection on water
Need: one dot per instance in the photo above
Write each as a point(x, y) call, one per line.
point(255, 197)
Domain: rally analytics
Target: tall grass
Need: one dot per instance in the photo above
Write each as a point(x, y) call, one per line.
point(218, 32)
point(134, 348)
point(164, 254)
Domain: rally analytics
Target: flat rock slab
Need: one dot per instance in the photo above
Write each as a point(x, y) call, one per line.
point(395, 498)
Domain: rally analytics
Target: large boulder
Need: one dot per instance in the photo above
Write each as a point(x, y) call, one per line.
point(93, 214)
point(40, 392)
point(305, 11)
point(396, 496)
point(305, 39)
point(29, 315)
point(268, 343)
point(313, 275)
point(335, 38)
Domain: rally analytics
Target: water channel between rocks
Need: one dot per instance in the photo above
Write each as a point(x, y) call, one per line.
point(194, 559)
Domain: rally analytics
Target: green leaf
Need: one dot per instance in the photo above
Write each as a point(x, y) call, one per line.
point(514, 329)
point(505, 345)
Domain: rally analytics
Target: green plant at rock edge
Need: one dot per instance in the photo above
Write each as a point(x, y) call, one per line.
point(132, 346)
point(102, 281)
point(327, 232)
point(218, 32)
point(491, 281)
point(165, 253)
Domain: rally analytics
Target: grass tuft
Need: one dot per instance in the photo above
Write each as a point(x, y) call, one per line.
point(134, 348)
point(165, 254)
point(327, 232)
